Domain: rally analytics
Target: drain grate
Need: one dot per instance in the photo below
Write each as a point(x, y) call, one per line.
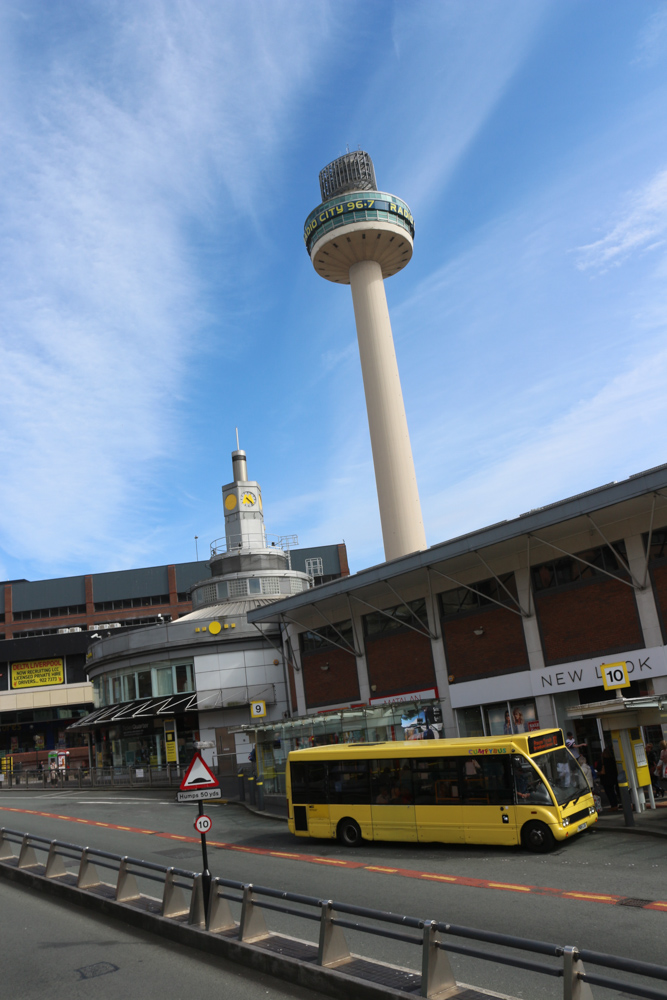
point(639, 903)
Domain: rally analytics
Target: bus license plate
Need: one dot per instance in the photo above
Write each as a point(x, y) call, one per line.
point(582, 826)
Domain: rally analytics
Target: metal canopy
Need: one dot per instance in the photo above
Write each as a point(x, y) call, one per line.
point(635, 495)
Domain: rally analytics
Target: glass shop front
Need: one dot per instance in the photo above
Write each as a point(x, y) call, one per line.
point(397, 722)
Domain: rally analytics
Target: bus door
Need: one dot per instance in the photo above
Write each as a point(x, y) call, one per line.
point(392, 800)
point(437, 789)
point(489, 813)
point(309, 797)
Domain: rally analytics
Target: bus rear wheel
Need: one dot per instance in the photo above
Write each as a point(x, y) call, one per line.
point(537, 837)
point(349, 833)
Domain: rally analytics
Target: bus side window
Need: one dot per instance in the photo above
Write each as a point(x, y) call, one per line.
point(392, 783)
point(488, 781)
point(437, 781)
point(317, 781)
point(349, 782)
point(308, 781)
point(299, 782)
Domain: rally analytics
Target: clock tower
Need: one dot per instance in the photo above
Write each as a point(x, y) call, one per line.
point(242, 503)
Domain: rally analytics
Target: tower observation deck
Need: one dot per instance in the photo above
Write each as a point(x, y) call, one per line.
point(358, 236)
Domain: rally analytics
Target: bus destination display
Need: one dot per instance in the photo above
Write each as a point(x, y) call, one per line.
point(537, 744)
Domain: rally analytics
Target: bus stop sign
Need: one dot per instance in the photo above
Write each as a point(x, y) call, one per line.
point(614, 675)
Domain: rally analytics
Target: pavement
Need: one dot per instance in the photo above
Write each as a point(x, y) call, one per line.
point(651, 823)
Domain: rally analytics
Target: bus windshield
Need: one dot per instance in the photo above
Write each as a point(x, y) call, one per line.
point(563, 773)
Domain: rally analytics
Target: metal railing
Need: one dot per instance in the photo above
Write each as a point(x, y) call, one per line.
point(88, 860)
point(170, 775)
point(434, 939)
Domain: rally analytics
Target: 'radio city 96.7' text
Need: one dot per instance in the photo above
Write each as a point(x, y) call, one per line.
point(355, 206)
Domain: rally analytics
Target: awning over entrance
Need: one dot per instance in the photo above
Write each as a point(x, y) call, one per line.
point(193, 701)
point(146, 708)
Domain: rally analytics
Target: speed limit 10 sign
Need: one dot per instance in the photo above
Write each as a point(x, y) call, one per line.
point(203, 824)
point(615, 675)
point(257, 709)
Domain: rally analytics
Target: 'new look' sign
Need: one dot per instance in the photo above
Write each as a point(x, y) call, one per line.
point(641, 663)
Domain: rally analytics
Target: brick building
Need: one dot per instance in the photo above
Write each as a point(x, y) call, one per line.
point(500, 630)
point(45, 633)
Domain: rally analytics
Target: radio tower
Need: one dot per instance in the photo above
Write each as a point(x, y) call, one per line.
point(359, 236)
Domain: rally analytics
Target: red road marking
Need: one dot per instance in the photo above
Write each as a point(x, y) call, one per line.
point(474, 883)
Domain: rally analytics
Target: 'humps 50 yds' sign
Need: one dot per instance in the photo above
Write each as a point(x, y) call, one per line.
point(38, 673)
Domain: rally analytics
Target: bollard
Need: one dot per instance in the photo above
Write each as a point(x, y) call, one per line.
point(260, 794)
point(626, 801)
point(251, 789)
point(241, 787)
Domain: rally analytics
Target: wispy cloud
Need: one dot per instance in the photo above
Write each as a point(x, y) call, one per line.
point(108, 176)
point(578, 451)
point(641, 228)
point(463, 88)
point(652, 41)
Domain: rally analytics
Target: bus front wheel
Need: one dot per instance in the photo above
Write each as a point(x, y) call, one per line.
point(537, 837)
point(349, 833)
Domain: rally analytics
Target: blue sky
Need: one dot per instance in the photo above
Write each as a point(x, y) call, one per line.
point(159, 160)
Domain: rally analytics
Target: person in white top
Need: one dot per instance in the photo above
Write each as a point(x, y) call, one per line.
point(585, 767)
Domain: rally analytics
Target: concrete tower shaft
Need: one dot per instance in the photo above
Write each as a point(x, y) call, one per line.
point(359, 237)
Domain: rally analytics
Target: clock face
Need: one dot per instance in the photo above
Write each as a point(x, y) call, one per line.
point(248, 499)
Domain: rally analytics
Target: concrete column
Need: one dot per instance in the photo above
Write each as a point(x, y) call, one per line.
point(400, 510)
point(648, 613)
point(450, 728)
point(531, 633)
point(293, 647)
point(365, 693)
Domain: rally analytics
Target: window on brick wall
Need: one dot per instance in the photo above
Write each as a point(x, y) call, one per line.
point(73, 609)
point(566, 571)
point(326, 637)
point(131, 602)
point(378, 624)
point(463, 601)
point(658, 551)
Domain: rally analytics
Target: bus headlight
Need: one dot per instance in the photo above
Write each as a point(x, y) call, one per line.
point(591, 810)
point(566, 822)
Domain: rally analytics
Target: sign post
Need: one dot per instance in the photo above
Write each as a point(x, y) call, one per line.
point(200, 783)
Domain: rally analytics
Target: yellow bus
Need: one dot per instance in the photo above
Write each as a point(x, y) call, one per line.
point(504, 790)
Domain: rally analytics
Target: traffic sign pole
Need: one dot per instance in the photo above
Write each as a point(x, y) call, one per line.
point(206, 875)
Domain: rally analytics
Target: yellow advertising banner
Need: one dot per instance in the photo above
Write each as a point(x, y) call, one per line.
point(38, 673)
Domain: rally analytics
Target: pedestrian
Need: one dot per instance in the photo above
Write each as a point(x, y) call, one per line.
point(585, 767)
point(661, 766)
point(654, 769)
point(572, 745)
point(609, 776)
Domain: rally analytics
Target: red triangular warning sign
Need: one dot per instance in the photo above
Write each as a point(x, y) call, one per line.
point(198, 775)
